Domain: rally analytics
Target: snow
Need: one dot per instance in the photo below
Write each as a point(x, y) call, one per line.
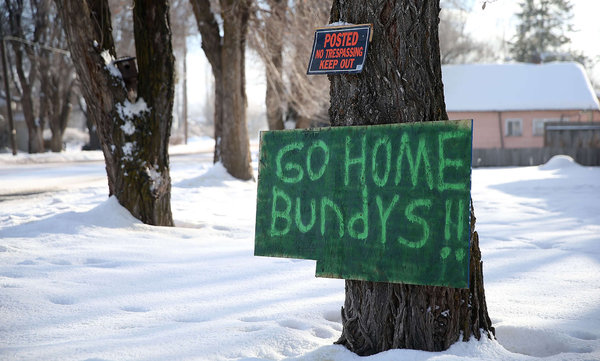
point(559, 162)
point(109, 63)
point(155, 177)
point(339, 23)
point(128, 127)
point(127, 149)
point(128, 110)
point(517, 86)
point(81, 279)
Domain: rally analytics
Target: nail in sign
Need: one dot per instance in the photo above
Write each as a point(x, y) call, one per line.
point(340, 49)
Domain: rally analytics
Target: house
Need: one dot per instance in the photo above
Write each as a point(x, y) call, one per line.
point(509, 103)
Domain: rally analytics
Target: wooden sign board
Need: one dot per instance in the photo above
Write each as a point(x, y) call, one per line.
point(340, 49)
point(386, 203)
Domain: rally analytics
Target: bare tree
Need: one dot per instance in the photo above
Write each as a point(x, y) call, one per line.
point(457, 46)
point(57, 81)
point(132, 114)
point(226, 55)
point(402, 82)
point(122, 31)
point(45, 76)
point(26, 61)
point(272, 48)
point(181, 29)
point(291, 95)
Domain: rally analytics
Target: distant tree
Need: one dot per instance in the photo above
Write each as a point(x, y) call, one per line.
point(182, 29)
point(268, 41)
point(28, 21)
point(291, 96)
point(4, 132)
point(57, 81)
point(133, 121)
point(45, 75)
point(457, 46)
point(94, 141)
point(308, 95)
point(226, 55)
point(4, 124)
point(542, 32)
point(402, 82)
point(122, 30)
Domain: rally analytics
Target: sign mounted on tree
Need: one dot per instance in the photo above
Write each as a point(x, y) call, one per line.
point(340, 49)
point(386, 203)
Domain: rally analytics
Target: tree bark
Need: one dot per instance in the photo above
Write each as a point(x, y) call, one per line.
point(226, 57)
point(134, 142)
point(402, 82)
point(156, 84)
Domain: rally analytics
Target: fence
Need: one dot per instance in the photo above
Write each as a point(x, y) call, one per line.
point(579, 140)
point(532, 156)
point(572, 135)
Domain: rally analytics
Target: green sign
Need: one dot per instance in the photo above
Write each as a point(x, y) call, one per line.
point(386, 203)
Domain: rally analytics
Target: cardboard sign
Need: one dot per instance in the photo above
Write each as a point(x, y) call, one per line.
point(387, 203)
point(341, 49)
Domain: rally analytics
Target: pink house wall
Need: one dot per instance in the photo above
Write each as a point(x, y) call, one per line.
point(489, 128)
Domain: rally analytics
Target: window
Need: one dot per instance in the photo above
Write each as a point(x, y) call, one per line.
point(514, 127)
point(538, 124)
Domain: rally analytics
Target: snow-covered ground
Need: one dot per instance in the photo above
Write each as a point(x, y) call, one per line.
point(80, 279)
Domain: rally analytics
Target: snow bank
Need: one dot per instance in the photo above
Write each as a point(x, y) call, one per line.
point(540, 342)
point(50, 157)
point(195, 145)
point(215, 175)
point(559, 162)
point(74, 153)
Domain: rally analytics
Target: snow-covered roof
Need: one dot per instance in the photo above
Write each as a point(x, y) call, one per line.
point(517, 86)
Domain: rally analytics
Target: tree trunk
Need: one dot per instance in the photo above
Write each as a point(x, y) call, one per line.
point(56, 143)
point(35, 125)
point(134, 137)
point(56, 102)
point(156, 84)
point(402, 82)
point(226, 57)
point(211, 45)
point(218, 114)
point(274, 46)
point(235, 144)
point(35, 143)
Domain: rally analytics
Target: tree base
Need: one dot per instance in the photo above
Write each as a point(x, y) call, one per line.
point(377, 317)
